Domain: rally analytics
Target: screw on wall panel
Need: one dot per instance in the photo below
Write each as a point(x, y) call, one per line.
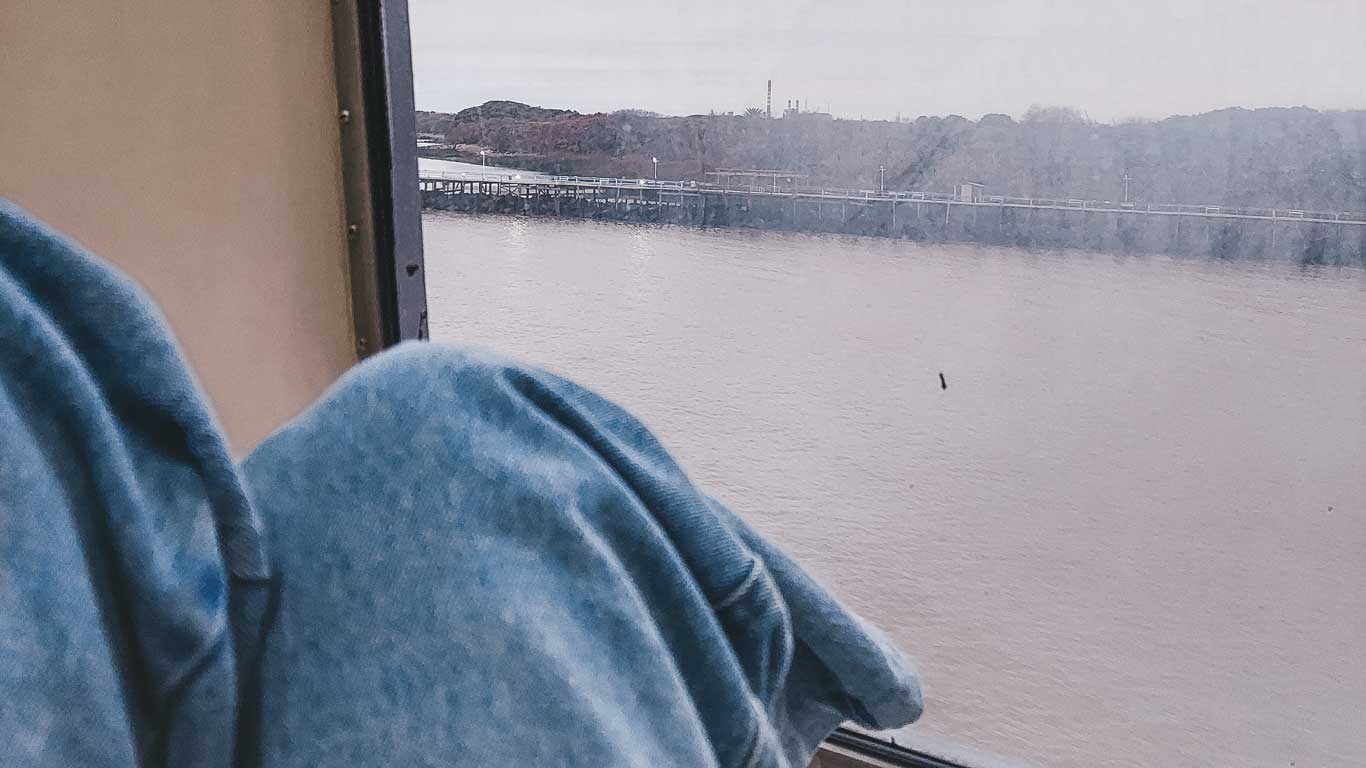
point(352, 230)
point(361, 346)
point(344, 116)
point(411, 269)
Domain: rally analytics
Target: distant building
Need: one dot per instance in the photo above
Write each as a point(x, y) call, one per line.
point(431, 140)
point(968, 192)
point(794, 111)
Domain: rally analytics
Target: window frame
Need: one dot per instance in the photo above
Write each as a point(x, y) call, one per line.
point(377, 122)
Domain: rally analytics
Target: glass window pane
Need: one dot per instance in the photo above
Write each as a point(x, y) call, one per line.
point(1070, 400)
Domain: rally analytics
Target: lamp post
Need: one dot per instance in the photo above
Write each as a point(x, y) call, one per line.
point(1127, 179)
point(655, 160)
point(483, 157)
point(882, 179)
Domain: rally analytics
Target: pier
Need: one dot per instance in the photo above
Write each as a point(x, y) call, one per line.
point(1311, 236)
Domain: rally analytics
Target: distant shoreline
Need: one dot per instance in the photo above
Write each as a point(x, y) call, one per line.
point(1291, 158)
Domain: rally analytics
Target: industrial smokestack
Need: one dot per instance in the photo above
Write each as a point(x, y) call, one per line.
point(769, 105)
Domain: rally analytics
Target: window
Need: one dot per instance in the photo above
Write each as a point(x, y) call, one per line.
point(1070, 400)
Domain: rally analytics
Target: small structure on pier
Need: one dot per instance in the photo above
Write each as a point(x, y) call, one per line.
point(968, 192)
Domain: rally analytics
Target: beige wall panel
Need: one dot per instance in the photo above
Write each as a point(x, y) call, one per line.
point(194, 144)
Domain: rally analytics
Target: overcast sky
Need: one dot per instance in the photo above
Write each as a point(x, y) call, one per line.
point(878, 58)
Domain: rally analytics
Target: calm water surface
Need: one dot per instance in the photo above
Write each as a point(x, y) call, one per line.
point(1131, 532)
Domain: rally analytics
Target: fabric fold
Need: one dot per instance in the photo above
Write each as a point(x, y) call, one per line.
point(452, 558)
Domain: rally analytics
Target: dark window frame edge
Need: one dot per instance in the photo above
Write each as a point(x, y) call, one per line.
point(377, 125)
point(875, 751)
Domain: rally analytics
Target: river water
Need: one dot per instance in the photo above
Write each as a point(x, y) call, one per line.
point(1131, 531)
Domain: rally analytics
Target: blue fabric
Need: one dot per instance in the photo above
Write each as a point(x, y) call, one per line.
point(450, 559)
